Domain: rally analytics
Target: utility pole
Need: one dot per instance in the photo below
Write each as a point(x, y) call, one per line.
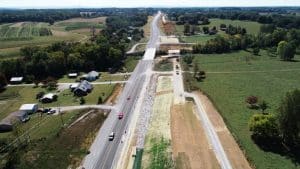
point(60, 114)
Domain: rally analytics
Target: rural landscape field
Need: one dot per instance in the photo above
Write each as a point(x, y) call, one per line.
point(120, 86)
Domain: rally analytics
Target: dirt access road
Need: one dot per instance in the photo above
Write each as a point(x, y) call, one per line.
point(191, 149)
point(231, 148)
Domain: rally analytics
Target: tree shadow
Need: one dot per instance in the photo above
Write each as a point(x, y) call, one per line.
point(2, 89)
point(278, 147)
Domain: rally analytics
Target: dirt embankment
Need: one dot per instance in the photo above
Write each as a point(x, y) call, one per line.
point(113, 97)
point(191, 149)
point(232, 149)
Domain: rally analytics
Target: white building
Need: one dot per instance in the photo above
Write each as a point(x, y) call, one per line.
point(16, 80)
point(29, 108)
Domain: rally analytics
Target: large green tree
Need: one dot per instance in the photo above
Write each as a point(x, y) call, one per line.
point(289, 117)
point(264, 127)
point(285, 50)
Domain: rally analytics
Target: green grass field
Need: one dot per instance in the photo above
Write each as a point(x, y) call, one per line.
point(231, 78)
point(251, 27)
point(197, 38)
point(69, 26)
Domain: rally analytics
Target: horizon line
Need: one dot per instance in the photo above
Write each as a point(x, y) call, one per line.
point(105, 7)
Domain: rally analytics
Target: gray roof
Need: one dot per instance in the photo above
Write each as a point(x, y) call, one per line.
point(93, 74)
point(84, 86)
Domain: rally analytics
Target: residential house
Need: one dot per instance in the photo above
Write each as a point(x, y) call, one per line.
point(48, 98)
point(83, 88)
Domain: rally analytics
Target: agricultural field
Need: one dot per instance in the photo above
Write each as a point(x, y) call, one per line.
point(16, 35)
point(81, 24)
point(230, 78)
point(23, 31)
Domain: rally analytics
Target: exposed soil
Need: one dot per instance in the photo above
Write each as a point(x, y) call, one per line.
point(113, 97)
point(191, 149)
point(232, 149)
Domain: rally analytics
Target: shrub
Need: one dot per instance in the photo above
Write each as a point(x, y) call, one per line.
point(264, 127)
point(252, 102)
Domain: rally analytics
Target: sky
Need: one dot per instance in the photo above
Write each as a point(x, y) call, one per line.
point(141, 3)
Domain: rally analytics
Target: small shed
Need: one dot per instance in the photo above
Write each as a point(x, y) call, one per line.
point(16, 80)
point(72, 75)
point(83, 88)
point(29, 108)
point(48, 98)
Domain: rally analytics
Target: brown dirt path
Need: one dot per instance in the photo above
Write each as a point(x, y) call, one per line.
point(231, 148)
point(113, 97)
point(191, 149)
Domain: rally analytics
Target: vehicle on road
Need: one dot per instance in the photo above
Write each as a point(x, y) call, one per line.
point(111, 136)
point(51, 112)
point(177, 72)
point(121, 115)
point(177, 67)
point(128, 98)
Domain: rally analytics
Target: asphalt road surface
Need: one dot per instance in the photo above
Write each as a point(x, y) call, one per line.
point(104, 153)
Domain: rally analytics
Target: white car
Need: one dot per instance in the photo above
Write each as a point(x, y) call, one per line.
point(111, 136)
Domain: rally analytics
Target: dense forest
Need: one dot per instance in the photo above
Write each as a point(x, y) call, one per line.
point(105, 50)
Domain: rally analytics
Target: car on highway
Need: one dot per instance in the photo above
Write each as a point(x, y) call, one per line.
point(177, 72)
point(177, 67)
point(120, 115)
point(111, 136)
point(128, 98)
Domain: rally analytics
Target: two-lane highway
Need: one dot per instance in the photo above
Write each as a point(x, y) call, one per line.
point(103, 151)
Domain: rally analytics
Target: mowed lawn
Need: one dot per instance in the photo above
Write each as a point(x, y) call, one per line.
point(233, 77)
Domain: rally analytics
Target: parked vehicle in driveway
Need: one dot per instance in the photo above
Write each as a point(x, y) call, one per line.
point(51, 112)
point(111, 136)
point(121, 115)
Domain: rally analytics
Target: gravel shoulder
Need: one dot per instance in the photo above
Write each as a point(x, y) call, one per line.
point(231, 148)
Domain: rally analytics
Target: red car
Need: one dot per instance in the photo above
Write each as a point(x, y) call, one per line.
point(120, 115)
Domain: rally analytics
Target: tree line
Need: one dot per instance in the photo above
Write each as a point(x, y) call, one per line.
point(283, 42)
point(281, 131)
point(280, 17)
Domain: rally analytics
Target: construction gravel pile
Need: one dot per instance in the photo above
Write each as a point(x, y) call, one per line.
point(145, 116)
